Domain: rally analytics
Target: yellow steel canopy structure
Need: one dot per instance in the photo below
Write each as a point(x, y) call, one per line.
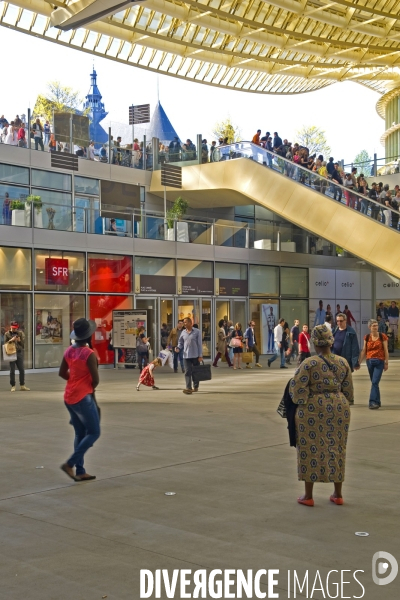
point(274, 47)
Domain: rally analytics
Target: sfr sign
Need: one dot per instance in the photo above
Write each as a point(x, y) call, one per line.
point(57, 271)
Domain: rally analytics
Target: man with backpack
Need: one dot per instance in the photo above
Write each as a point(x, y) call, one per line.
point(376, 351)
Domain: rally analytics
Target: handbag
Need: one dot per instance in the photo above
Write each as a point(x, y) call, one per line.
point(8, 357)
point(247, 357)
point(201, 372)
point(235, 343)
point(10, 347)
point(281, 410)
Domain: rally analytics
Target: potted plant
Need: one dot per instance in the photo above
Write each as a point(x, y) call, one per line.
point(18, 213)
point(35, 203)
point(175, 214)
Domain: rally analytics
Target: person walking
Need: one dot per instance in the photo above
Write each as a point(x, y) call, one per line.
point(147, 374)
point(278, 334)
point(294, 341)
point(393, 318)
point(346, 342)
point(304, 344)
point(172, 341)
point(221, 345)
point(375, 350)
point(191, 343)
point(229, 329)
point(79, 369)
point(251, 344)
point(322, 418)
point(142, 351)
point(237, 344)
point(18, 337)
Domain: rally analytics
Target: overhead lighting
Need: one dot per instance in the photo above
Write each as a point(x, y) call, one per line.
point(81, 13)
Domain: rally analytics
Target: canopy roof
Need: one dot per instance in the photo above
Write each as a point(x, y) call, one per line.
point(279, 46)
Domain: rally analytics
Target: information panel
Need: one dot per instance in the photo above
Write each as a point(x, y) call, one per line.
point(126, 326)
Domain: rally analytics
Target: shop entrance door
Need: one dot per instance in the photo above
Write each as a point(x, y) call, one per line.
point(153, 327)
point(167, 320)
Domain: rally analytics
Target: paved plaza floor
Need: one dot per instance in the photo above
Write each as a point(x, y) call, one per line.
point(225, 453)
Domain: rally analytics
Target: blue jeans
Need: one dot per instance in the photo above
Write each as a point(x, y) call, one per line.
point(277, 352)
point(178, 355)
point(85, 420)
point(364, 206)
point(375, 370)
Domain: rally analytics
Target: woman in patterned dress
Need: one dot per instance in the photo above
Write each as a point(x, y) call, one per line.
point(322, 387)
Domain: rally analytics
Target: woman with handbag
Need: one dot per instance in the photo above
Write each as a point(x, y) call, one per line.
point(322, 389)
point(237, 345)
point(79, 369)
point(221, 345)
point(16, 337)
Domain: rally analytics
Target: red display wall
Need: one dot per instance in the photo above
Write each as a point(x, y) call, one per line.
point(111, 274)
point(100, 310)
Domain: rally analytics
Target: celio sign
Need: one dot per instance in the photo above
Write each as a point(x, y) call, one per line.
point(57, 271)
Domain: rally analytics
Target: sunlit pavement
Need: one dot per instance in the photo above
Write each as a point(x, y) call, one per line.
point(225, 453)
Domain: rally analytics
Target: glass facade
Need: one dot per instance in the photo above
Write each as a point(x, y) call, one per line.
point(47, 271)
point(109, 273)
point(50, 179)
point(100, 310)
point(15, 268)
point(14, 174)
point(15, 306)
point(294, 282)
point(8, 193)
point(263, 280)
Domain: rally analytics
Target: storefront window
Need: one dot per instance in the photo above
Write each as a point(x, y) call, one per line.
point(206, 327)
point(155, 275)
point(294, 282)
point(189, 308)
point(153, 326)
point(265, 314)
point(54, 317)
point(14, 174)
point(60, 271)
point(231, 279)
point(263, 280)
point(195, 277)
point(15, 268)
point(84, 185)
point(110, 273)
point(49, 179)
point(17, 307)
point(61, 204)
point(295, 309)
point(222, 310)
point(8, 193)
point(100, 310)
point(166, 314)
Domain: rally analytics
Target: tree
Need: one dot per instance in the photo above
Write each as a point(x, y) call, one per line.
point(362, 161)
point(58, 98)
point(226, 129)
point(314, 139)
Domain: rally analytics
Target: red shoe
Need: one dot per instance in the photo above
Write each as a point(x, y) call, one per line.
point(309, 502)
point(338, 501)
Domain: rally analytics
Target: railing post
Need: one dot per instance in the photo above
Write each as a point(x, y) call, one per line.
point(212, 234)
point(375, 165)
point(109, 145)
point(199, 145)
point(247, 243)
point(29, 131)
point(278, 241)
point(144, 154)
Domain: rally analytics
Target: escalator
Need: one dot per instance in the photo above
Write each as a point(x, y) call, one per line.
point(246, 172)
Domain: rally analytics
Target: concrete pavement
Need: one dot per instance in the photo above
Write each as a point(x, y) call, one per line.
point(225, 453)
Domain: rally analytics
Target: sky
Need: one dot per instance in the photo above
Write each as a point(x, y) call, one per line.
point(346, 111)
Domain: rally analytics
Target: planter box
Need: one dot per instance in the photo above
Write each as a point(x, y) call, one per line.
point(18, 218)
point(182, 233)
point(263, 244)
point(37, 217)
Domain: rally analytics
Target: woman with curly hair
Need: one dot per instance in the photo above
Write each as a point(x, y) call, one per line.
point(322, 387)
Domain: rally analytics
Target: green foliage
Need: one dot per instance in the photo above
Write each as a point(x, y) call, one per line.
point(35, 201)
point(362, 161)
point(17, 205)
point(177, 211)
point(58, 98)
point(227, 129)
point(314, 139)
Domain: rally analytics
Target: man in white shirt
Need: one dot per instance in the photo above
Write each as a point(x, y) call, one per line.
point(278, 333)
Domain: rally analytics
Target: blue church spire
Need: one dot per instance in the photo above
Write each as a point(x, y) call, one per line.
point(96, 111)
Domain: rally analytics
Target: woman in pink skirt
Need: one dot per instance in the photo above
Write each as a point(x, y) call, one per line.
point(146, 376)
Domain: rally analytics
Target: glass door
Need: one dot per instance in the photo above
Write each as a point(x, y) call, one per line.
point(153, 326)
point(87, 215)
point(189, 307)
point(206, 328)
point(167, 320)
point(239, 313)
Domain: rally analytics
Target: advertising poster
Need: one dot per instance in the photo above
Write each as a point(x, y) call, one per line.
point(49, 326)
point(269, 320)
point(318, 309)
point(126, 327)
point(353, 313)
point(389, 311)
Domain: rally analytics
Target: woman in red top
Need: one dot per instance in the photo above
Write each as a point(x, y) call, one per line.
point(79, 369)
point(349, 316)
point(304, 344)
point(376, 350)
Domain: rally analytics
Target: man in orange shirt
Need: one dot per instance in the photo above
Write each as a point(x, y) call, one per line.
point(256, 138)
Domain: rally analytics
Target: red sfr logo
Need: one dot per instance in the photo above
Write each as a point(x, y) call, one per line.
point(57, 271)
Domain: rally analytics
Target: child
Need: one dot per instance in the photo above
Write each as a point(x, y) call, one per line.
point(146, 376)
